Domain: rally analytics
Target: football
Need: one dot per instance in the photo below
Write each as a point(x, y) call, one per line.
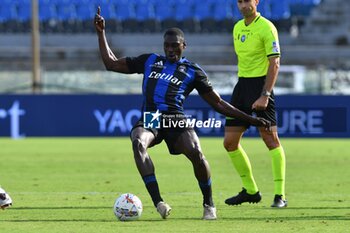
point(127, 207)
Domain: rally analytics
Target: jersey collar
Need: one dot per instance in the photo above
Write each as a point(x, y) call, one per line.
point(258, 15)
point(183, 60)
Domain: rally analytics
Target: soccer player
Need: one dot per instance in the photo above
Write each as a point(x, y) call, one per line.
point(5, 199)
point(167, 81)
point(257, 47)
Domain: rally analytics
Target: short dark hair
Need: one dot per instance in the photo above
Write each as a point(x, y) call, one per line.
point(175, 32)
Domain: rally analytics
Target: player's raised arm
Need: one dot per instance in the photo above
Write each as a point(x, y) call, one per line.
point(221, 106)
point(111, 62)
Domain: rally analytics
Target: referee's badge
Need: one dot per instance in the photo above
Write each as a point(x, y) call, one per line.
point(275, 47)
point(243, 38)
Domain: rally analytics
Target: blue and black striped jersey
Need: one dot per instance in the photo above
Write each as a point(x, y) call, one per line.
point(166, 85)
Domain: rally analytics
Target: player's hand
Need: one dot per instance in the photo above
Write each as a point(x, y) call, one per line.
point(261, 122)
point(99, 21)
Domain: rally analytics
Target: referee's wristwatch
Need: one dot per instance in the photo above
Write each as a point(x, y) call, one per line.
point(266, 93)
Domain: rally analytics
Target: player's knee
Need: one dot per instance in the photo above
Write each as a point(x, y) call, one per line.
point(138, 146)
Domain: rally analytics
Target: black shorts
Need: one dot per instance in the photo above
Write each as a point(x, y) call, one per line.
point(170, 136)
point(245, 93)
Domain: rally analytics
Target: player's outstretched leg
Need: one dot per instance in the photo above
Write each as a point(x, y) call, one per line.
point(141, 140)
point(5, 199)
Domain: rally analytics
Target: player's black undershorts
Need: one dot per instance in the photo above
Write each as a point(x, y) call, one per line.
point(245, 93)
point(170, 136)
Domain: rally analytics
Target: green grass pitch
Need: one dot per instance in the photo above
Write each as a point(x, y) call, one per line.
point(70, 184)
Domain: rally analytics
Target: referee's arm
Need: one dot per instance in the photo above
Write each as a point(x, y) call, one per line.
point(271, 77)
point(272, 73)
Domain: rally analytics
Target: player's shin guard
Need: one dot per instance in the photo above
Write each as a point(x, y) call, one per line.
point(152, 188)
point(278, 170)
point(205, 187)
point(242, 164)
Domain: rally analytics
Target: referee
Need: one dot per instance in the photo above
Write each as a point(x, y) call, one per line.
point(257, 47)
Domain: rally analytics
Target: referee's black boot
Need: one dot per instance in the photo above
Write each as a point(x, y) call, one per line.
point(278, 202)
point(242, 197)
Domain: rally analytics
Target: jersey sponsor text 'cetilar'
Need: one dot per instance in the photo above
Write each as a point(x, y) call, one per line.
point(164, 76)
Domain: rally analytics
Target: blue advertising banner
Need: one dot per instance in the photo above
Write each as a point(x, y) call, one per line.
point(114, 115)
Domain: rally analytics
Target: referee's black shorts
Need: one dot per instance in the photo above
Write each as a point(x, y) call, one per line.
point(245, 93)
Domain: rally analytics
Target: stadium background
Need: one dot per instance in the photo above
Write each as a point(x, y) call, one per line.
point(314, 37)
point(69, 184)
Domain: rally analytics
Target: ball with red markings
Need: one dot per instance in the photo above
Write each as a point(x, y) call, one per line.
point(127, 207)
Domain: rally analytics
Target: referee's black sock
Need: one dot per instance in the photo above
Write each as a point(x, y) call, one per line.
point(152, 188)
point(205, 187)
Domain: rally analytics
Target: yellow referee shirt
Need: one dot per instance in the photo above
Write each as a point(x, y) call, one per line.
point(253, 45)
